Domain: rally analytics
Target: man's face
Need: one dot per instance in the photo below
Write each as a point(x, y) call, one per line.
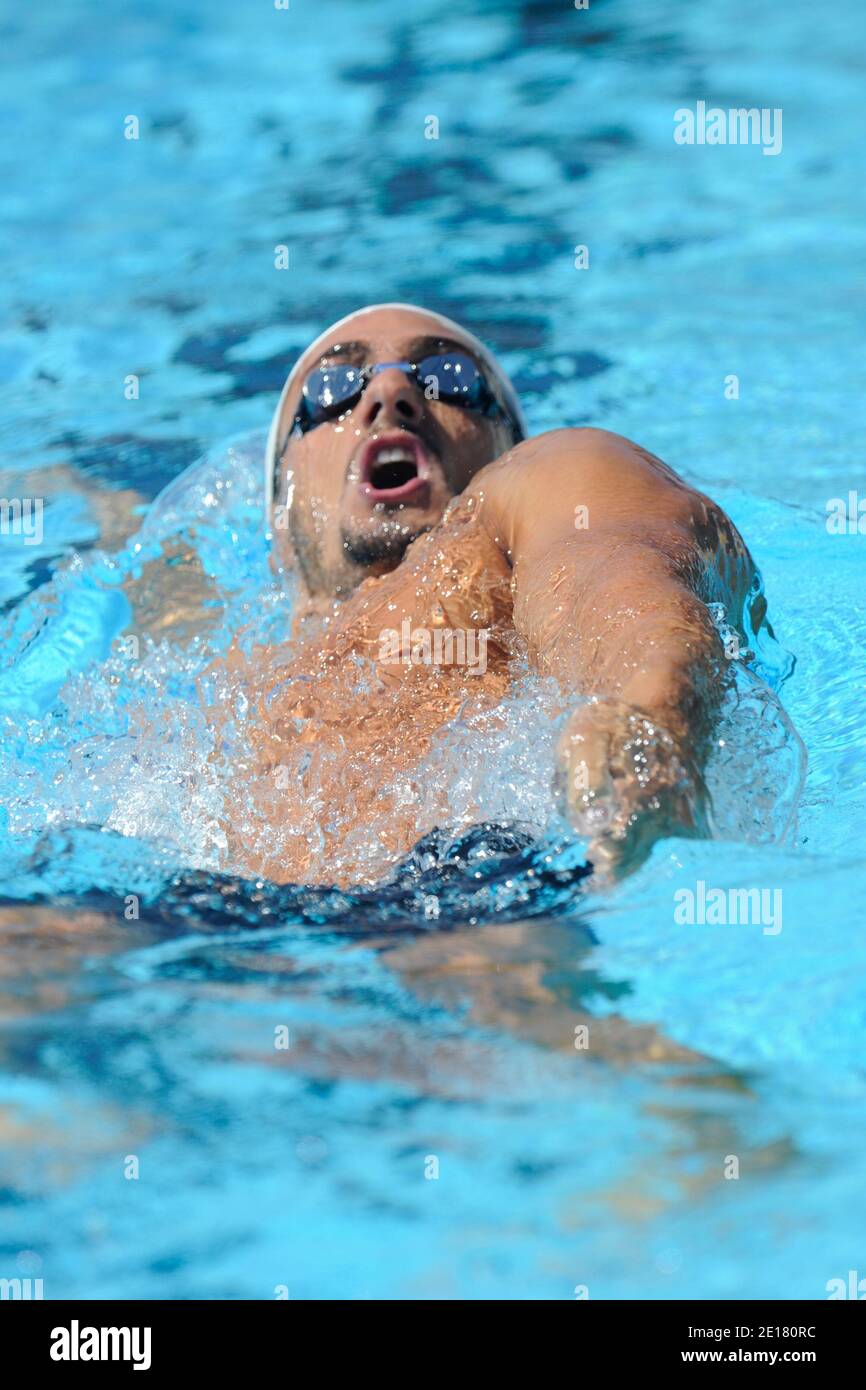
point(369, 480)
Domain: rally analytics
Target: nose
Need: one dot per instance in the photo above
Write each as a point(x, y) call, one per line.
point(391, 395)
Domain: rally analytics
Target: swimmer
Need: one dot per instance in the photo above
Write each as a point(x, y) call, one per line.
point(404, 496)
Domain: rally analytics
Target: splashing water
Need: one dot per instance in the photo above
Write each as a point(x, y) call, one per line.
point(105, 725)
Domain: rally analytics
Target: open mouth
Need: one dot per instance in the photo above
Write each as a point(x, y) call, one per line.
point(393, 468)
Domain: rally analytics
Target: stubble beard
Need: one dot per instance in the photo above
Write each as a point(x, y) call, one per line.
point(382, 548)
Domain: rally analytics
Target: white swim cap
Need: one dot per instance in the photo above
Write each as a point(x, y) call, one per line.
point(330, 335)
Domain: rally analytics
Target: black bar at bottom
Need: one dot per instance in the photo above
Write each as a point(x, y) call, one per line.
point(71, 1338)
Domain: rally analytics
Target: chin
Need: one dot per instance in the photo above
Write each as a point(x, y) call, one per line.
point(380, 547)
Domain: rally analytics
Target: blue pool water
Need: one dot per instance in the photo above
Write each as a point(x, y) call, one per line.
point(430, 1014)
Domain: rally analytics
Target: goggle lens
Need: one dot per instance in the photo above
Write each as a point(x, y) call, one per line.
point(453, 377)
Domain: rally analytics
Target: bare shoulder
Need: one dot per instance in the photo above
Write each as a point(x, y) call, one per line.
point(597, 457)
point(602, 487)
point(542, 481)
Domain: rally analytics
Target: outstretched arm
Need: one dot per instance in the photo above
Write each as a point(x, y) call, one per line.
point(612, 557)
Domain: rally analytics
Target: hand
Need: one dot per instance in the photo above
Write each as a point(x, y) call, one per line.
point(624, 782)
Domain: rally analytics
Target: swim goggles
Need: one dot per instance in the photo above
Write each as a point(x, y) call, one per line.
point(453, 377)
